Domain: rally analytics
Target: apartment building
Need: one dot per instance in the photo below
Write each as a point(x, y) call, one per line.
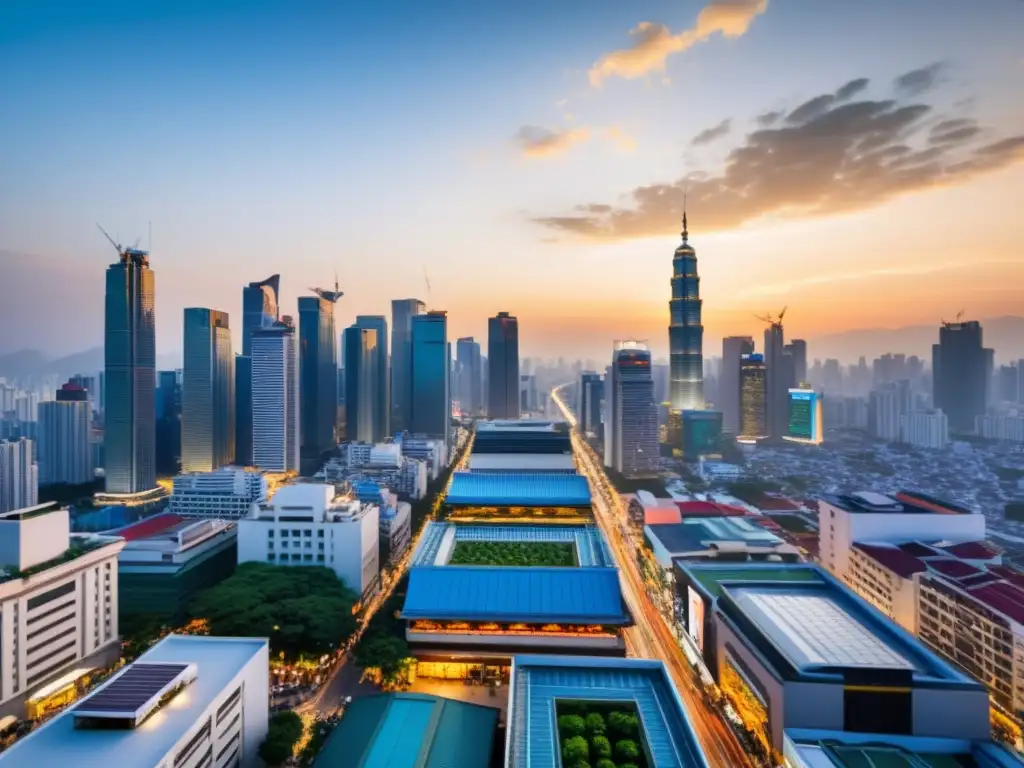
point(227, 493)
point(58, 601)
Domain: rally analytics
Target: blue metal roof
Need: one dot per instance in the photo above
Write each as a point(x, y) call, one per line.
point(529, 595)
point(539, 682)
point(521, 490)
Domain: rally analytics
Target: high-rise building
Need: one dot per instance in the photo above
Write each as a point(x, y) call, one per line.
point(382, 375)
point(959, 374)
point(275, 398)
point(634, 414)
point(887, 407)
point(685, 333)
point(260, 307)
point(19, 475)
point(64, 424)
point(589, 404)
point(129, 351)
point(733, 350)
point(168, 422)
point(926, 429)
point(431, 405)
point(529, 398)
point(806, 424)
point(362, 385)
point(503, 400)
point(402, 313)
point(753, 396)
point(471, 379)
point(778, 380)
point(207, 392)
point(797, 350)
point(318, 365)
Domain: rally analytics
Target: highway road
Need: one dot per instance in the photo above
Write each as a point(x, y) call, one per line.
point(650, 637)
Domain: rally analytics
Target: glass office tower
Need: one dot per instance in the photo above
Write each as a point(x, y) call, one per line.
point(208, 389)
point(318, 371)
point(430, 375)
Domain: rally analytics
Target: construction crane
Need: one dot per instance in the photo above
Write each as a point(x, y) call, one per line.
point(124, 252)
point(770, 320)
point(426, 280)
point(331, 296)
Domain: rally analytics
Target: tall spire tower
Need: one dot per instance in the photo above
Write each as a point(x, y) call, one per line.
point(685, 333)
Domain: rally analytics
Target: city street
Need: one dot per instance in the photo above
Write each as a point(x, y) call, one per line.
point(650, 637)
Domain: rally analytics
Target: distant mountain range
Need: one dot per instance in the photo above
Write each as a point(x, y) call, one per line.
point(31, 364)
point(1003, 334)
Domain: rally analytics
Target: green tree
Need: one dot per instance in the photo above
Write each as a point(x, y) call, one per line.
point(623, 723)
point(626, 749)
point(572, 725)
point(283, 733)
point(604, 762)
point(595, 724)
point(383, 651)
point(575, 749)
point(302, 610)
point(601, 746)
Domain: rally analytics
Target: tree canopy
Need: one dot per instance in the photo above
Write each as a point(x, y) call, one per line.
point(305, 610)
point(283, 733)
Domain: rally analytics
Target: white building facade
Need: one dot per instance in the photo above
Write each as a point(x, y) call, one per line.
point(275, 399)
point(871, 517)
point(227, 493)
point(19, 475)
point(1008, 427)
point(307, 524)
point(188, 702)
point(926, 429)
point(64, 454)
point(63, 611)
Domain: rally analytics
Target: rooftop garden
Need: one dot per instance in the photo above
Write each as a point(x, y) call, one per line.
point(515, 553)
point(79, 546)
point(601, 734)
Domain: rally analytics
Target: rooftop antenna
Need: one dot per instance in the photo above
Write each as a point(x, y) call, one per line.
point(686, 233)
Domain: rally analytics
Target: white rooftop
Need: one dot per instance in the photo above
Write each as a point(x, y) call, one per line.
point(58, 743)
point(813, 629)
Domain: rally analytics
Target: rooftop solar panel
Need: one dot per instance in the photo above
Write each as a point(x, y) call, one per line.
point(135, 692)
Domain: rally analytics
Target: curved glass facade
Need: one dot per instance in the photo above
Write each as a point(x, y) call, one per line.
point(685, 333)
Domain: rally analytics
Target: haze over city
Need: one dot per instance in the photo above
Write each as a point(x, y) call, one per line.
point(857, 162)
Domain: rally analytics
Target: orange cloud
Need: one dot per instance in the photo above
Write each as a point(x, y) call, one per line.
point(535, 141)
point(622, 140)
point(654, 43)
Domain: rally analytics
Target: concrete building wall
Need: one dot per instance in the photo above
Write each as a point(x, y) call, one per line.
point(951, 714)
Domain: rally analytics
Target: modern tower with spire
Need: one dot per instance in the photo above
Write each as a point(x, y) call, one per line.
point(685, 333)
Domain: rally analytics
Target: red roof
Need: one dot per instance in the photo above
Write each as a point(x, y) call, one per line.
point(894, 559)
point(917, 549)
point(1004, 597)
point(149, 527)
point(971, 550)
point(774, 502)
point(659, 515)
point(957, 569)
point(1012, 575)
point(708, 509)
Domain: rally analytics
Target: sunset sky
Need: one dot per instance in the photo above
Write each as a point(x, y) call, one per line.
point(858, 162)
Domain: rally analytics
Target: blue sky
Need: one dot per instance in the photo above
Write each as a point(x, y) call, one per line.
point(378, 139)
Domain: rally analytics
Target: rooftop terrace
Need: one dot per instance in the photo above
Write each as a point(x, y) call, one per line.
point(518, 490)
point(538, 682)
point(439, 540)
point(713, 577)
point(217, 661)
point(902, 503)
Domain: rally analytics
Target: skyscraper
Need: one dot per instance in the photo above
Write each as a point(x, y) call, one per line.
point(685, 333)
point(471, 379)
point(402, 313)
point(753, 392)
point(260, 307)
point(362, 385)
point(130, 374)
point(19, 476)
point(275, 398)
point(589, 404)
point(208, 392)
point(959, 375)
point(503, 367)
point(430, 413)
point(634, 414)
point(64, 438)
point(797, 350)
point(318, 365)
point(778, 377)
point(381, 392)
point(733, 350)
point(168, 422)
